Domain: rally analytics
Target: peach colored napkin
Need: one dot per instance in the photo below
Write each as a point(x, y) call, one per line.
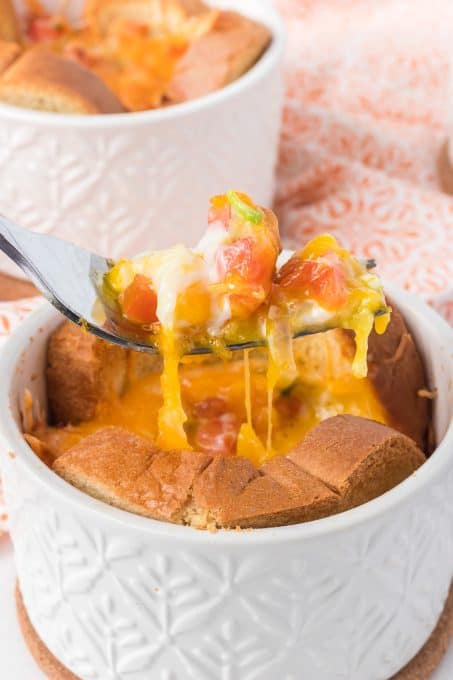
point(365, 116)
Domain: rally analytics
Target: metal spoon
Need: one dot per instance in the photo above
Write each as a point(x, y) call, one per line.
point(69, 276)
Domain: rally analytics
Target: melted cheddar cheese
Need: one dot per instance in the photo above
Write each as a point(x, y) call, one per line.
point(230, 289)
point(136, 60)
point(243, 388)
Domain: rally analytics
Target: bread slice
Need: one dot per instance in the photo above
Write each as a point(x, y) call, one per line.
point(44, 81)
point(357, 458)
point(9, 23)
point(129, 472)
point(81, 372)
point(231, 493)
point(343, 462)
point(218, 57)
point(396, 370)
point(9, 52)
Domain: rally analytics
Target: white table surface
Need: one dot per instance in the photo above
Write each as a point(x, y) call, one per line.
point(16, 662)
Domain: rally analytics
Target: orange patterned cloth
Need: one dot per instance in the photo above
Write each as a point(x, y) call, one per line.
point(365, 116)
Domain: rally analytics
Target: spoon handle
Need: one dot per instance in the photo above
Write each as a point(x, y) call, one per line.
point(8, 244)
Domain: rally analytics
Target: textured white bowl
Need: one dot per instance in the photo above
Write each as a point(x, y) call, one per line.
point(126, 183)
point(117, 596)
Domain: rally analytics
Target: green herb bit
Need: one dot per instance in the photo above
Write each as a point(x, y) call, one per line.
point(243, 209)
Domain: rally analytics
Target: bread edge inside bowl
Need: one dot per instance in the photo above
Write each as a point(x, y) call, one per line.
point(262, 10)
point(430, 331)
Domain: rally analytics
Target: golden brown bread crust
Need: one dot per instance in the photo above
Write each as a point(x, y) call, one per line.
point(343, 462)
point(81, 371)
point(395, 369)
point(9, 51)
point(397, 373)
point(233, 493)
point(9, 24)
point(219, 57)
point(44, 81)
point(129, 472)
point(357, 458)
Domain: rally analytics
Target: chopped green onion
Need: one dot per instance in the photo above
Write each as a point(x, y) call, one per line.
point(243, 209)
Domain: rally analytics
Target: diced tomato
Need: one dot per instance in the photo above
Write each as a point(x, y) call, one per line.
point(325, 283)
point(242, 259)
point(216, 428)
point(217, 435)
point(44, 29)
point(139, 301)
point(247, 266)
point(210, 408)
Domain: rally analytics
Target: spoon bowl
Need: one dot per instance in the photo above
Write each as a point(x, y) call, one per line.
point(70, 277)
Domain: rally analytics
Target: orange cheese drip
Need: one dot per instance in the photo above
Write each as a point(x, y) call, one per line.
point(249, 444)
point(171, 416)
point(241, 385)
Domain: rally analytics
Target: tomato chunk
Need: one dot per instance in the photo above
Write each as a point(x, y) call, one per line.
point(242, 259)
point(210, 408)
point(325, 283)
point(44, 29)
point(216, 429)
point(246, 266)
point(139, 301)
point(217, 435)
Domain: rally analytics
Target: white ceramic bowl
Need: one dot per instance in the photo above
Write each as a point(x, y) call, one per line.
point(117, 596)
point(122, 184)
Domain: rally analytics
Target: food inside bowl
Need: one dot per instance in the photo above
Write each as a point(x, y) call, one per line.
point(296, 431)
point(231, 290)
point(125, 56)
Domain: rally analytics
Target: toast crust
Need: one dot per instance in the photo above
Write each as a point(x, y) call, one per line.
point(219, 57)
point(116, 77)
point(81, 371)
point(9, 52)
point(343, 462)
point(396, 370)
point(44, 81)
point(9, 23)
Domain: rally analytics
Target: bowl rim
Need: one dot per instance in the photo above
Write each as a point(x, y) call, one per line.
point(267, 62)
point(37, 321)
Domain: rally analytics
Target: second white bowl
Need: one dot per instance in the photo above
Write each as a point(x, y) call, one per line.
point(122, 184)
